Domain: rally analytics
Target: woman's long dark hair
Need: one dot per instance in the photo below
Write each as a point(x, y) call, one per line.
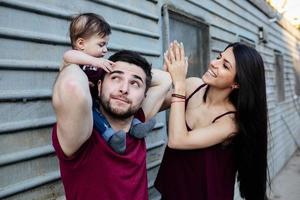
point(251, 142)
point(251, 105)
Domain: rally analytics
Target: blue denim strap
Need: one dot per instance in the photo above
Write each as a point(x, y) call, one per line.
point(102, 125)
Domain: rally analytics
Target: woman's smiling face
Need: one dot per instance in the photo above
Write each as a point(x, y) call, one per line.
point(221, 71)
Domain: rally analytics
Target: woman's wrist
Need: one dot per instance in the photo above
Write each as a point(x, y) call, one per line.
point(179, 88)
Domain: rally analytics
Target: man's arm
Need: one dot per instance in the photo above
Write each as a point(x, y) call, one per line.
point(73, 107)
point(158, 93)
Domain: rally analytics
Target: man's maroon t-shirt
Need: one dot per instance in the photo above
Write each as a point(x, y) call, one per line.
point(95, 171)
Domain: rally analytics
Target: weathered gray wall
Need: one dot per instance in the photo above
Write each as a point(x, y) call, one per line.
point(33, 37)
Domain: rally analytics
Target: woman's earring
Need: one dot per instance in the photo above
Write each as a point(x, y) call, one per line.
point(235, 86)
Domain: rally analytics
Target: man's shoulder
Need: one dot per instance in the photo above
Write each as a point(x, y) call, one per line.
point(78, 153)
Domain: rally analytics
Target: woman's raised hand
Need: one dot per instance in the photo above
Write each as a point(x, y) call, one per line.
point(176, 62)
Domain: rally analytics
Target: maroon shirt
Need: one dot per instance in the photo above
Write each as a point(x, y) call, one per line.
point(200, 174)
point(95, 171)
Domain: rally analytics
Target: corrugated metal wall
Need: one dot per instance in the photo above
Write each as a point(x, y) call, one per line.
point(34, 35)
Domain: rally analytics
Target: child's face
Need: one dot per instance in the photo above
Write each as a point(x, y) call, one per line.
point(96, 46)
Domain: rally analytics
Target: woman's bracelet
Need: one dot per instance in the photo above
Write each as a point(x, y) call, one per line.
point(178, 96)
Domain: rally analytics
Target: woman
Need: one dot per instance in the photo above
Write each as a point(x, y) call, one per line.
point(217, 128)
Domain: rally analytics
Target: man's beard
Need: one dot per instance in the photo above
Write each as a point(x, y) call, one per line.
point(115, 112)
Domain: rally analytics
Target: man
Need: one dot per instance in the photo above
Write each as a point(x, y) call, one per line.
point(90, 169)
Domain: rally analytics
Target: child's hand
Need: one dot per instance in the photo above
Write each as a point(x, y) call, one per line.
point(81, 58)
point(105, 64)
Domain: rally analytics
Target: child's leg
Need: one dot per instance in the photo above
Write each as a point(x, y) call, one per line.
point(116, 140)
point(102, 125)
point(139, 129)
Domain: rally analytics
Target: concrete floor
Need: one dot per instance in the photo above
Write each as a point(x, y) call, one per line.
point(286, 185)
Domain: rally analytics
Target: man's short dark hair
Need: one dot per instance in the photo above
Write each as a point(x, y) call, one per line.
point(135, 58)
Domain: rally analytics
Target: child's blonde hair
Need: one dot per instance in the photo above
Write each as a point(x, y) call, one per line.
point(86, 25)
